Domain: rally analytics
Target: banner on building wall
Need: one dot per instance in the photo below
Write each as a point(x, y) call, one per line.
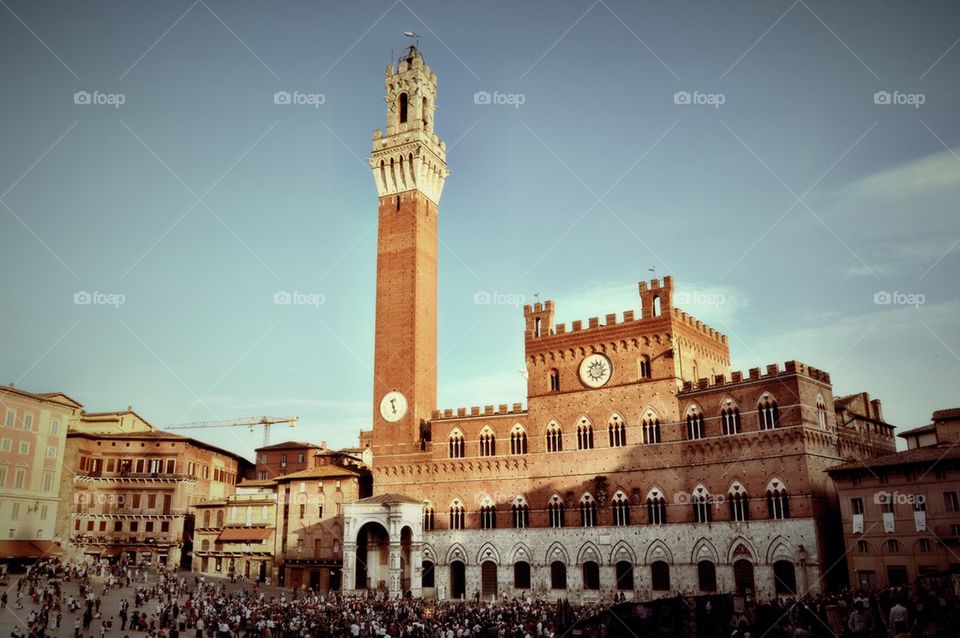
point(858, 523)
point(888, 524)
point(920, 520)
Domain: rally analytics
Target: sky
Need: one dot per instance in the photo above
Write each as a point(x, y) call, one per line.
point(795, 166)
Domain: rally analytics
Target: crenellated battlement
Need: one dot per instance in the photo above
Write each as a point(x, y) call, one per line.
point(754, 374)
point(656, 298)
point(698, 325)
point(476, 411)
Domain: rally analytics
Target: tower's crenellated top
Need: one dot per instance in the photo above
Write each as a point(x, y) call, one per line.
point(409, 155)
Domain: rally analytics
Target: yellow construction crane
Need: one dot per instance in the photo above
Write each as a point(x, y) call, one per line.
point(250, 422)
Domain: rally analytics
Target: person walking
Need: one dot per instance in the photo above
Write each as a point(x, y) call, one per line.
point(860, 622)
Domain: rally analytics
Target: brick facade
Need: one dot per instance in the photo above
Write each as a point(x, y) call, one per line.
point(640, 455)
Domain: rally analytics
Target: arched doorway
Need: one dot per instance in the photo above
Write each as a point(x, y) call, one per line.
point(458, 579)
point(373, 545)
point(785, 577)
point(488, 579)
point(743, 576)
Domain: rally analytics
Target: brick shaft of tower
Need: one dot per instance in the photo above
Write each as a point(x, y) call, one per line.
point(409, 168)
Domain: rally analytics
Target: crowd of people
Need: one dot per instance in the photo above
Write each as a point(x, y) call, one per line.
point(173, 605)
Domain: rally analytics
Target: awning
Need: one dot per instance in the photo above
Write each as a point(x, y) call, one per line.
point(244, 534)
point(28, 549)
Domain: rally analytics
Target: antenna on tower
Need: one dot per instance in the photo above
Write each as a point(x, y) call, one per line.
point(413, 36)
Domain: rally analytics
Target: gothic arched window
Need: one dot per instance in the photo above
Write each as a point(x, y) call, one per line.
point(588, 511)
point(617, 431)
point(488, 442)
point(518, 440)
point(456, 515)
point(456, 445)
point(621, 509)
point(768, 412)
point(555, 509)
point(730, 419)
point(695, 426)
point(584, 435)
point(650, 427)
point(554, 437)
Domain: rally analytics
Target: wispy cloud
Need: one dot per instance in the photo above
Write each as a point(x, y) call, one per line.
point(902, 217)
point(707, 302)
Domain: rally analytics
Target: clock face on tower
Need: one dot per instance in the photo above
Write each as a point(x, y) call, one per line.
point(595, 370)
point(393, 406)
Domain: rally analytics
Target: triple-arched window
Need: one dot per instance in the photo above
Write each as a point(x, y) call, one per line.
point(456, 444)
point(554, 437)
point(584, 434)
point(588, 511)
point(488, 442)
point(617, 431)
point(778, 501)
point(555, 511)
point(739, 503)
point(650, 428)
point(621, 509)
point(730, 418)
point(768, 412)
point(488, 514)
point(457, 514)
point(518, 440)
point(656, 507)
point(702, 505)
point(520, 512)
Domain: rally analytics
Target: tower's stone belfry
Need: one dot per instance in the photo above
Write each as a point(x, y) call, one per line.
point(409, 169)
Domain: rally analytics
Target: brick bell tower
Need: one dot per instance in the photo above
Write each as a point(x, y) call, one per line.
point(409, 168)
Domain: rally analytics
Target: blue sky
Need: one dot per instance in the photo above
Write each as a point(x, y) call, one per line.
point(783, 198)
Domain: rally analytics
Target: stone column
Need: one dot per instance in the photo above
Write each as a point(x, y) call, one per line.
point(416, 569)
point(394, 571)
point(349, 575)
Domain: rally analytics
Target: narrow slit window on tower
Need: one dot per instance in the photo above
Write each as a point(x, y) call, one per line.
point(424, 114)
point(398, 202)
point(539, 322)
point(403, 108)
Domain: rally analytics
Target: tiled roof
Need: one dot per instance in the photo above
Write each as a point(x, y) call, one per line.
point(28, 549)
point(323, 471)
point(388, 499)
point(257, 483)
point(929, 455)
point(287, 445)
point(948, 413)
point(919, 430)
